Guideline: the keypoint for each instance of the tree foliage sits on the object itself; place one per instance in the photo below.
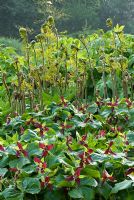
(72, 15)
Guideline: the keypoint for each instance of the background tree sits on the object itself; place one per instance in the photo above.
(14, 13)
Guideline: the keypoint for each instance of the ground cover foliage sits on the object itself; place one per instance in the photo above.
(66, 152)
(67, 116)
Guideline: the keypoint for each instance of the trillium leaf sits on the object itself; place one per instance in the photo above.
(122, 186)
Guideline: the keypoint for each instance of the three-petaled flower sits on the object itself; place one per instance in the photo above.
(21, 150)
(106, 176)
(45, 148)
(75, 177)
(41, 165)
(108, 150)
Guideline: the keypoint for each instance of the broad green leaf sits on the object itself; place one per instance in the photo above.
(76, 193)
(122, 186)
(3, 171)
(12, 194)
(31, 185)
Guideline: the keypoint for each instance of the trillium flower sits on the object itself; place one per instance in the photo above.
(63, 101)
(106, 176)
(41, 165)
(129, 171)
(21, 150)
(46, 182)
(102, 133)
(108, 150)
(8, 120)
(129, 103)
(69, 141)
(75, 177)
(85, 157)
(1, 148)
(45, 148)
(13, 170)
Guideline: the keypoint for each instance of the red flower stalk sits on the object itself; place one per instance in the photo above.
(45, 148)
(106, 176)
(21, 150)
(1, 148)
(75, 177)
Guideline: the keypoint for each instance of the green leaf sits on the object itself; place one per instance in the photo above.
(3, 171)
(122, 186)
(88, 193)
(29, 135)
(55, 195)
(91, 172)
(105, 190)
(88, 182)
(20, 162)
(76, 193)
(31, 185)
(130, 137)
(12, 194)
(93, 108)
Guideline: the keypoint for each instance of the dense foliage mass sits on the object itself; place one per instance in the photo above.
(80, 148)
(66, 152)
(97, 65)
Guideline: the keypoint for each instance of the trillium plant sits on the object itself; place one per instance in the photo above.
(65, 152)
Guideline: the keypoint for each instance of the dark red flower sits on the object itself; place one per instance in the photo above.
(25, 153)
(65, 126)
(129, 171)
(108, 150)
(112, 104)
(1, 148)
(77, 172)
(106, 176)
(63, 101)
(21, 129)
(18, 153)
(41, 165)
(13, 170)
(70, 178)
(44, 153)
(75, 177)
(21, 150)
(129, 103)
(8, 120)
(37, 160)
(102, 133)
(45, 148)
(42, 184)
(19, 146)
(86, 120)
